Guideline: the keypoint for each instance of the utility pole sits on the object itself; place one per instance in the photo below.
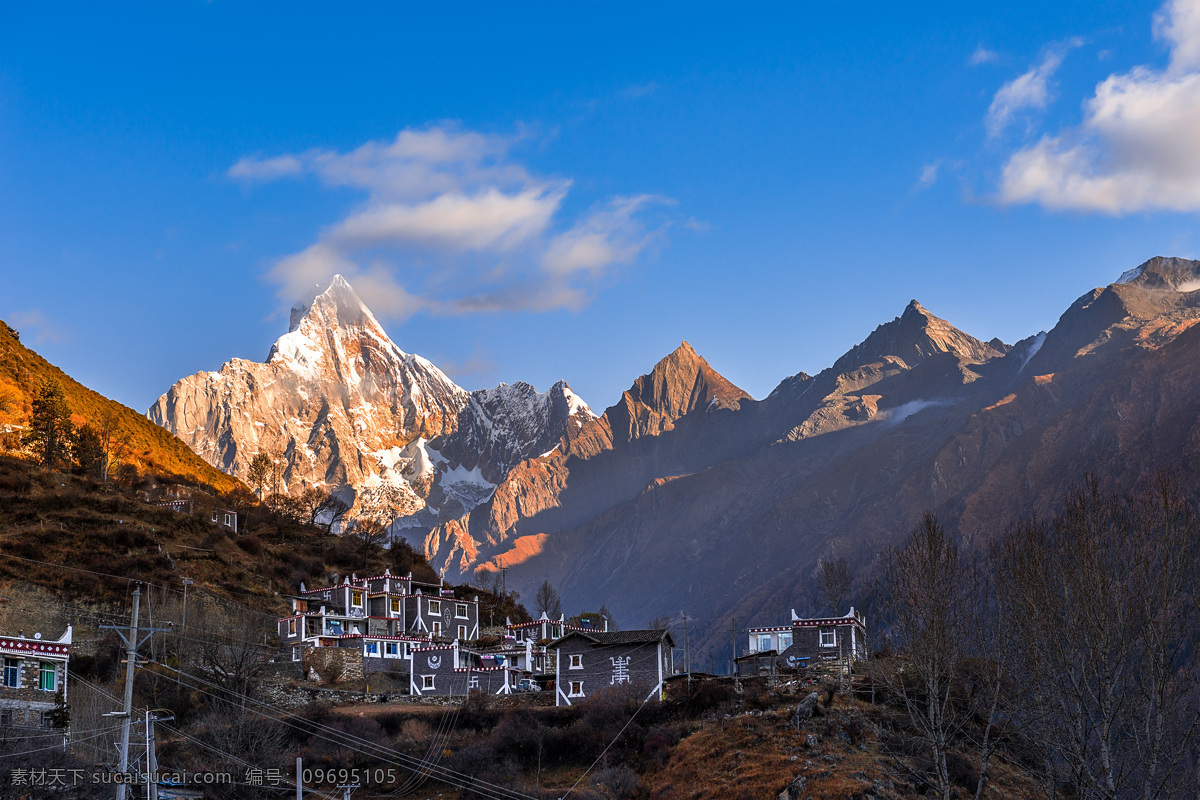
(687, 654)
(152, 753)
(299, 778)
(504, 575)
(733, 646)
(186, 583)
(131, 646)
(131, 655)
(347, 788)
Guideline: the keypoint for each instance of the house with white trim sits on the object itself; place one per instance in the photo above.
(33, 672)
(588, 662)
(805, 642)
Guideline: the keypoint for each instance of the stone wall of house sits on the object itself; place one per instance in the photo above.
(28, 690)
(333, 664)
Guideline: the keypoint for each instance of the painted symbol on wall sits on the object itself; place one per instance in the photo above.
(620, 670)
(473, 683)
(435, 662)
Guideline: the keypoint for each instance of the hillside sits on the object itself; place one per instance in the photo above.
(152, 449)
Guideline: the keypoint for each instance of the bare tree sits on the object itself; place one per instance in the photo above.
(547, 601)
(927, 599)
(369, 533)
(835, 583)
(1103, 600)
(259, 473)
(332, 510)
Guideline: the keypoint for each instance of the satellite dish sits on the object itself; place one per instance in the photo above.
(37, 636)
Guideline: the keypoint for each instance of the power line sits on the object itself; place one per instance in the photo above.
(364, 746)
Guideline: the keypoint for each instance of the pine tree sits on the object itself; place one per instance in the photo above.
(89, 451)
(50, 434)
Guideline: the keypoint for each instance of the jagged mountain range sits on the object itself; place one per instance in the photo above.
(689, 494)
(341, 407)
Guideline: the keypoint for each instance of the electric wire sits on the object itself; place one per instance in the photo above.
(358, 744)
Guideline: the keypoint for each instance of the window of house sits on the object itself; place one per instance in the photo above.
(291, 627)
(460, 610)
(576, 689)
(407, 649)
(47, 676)
(395, 605)
(296, 653)
(426, 681)
(437, 629)
(785, 641)
(390, 649)
(12, 672)
(435, 606)
(764, 642)
(576, 661)
(214, 516)
(356, 599)
(6, 718)
(372, 648)
(47, 720)
(228, 519)
(828, 637)
(462, 632)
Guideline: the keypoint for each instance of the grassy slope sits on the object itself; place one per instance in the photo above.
(154, 448)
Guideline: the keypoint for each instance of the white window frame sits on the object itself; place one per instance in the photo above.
(16, 667)
(435, 628)
(761, 647)
(228, 519)
(435, 607)
(427, 683)
(371, 649)
(292, 627)
(574, 688)
(395, 605)
(462, 633)
(576, 661)
(830, 632)
(460, 611)
(47, 668)
(361, 598)
(783, 646)
(296, 653)
(391, 650)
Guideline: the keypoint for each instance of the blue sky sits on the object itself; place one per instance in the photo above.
(533, 192)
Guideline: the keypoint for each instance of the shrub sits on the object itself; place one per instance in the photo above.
(251, 544)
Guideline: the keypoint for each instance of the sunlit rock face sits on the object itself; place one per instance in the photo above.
(343, 408)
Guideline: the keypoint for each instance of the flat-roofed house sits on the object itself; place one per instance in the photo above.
(587, 662)
(33, 672)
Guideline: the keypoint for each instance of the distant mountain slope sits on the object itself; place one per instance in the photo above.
(153, 448)
(981, 436)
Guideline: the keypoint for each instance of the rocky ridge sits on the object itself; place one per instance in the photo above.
(343, 408)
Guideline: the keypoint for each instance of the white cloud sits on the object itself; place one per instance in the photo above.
(1028, 91)
(43, 329)
(259, 169)
(929, 175)
(1136, 148)
(451, 224)
(983, 56)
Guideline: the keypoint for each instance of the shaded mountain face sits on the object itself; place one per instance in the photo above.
(683, 418)
(919, 416)
(343, 408)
